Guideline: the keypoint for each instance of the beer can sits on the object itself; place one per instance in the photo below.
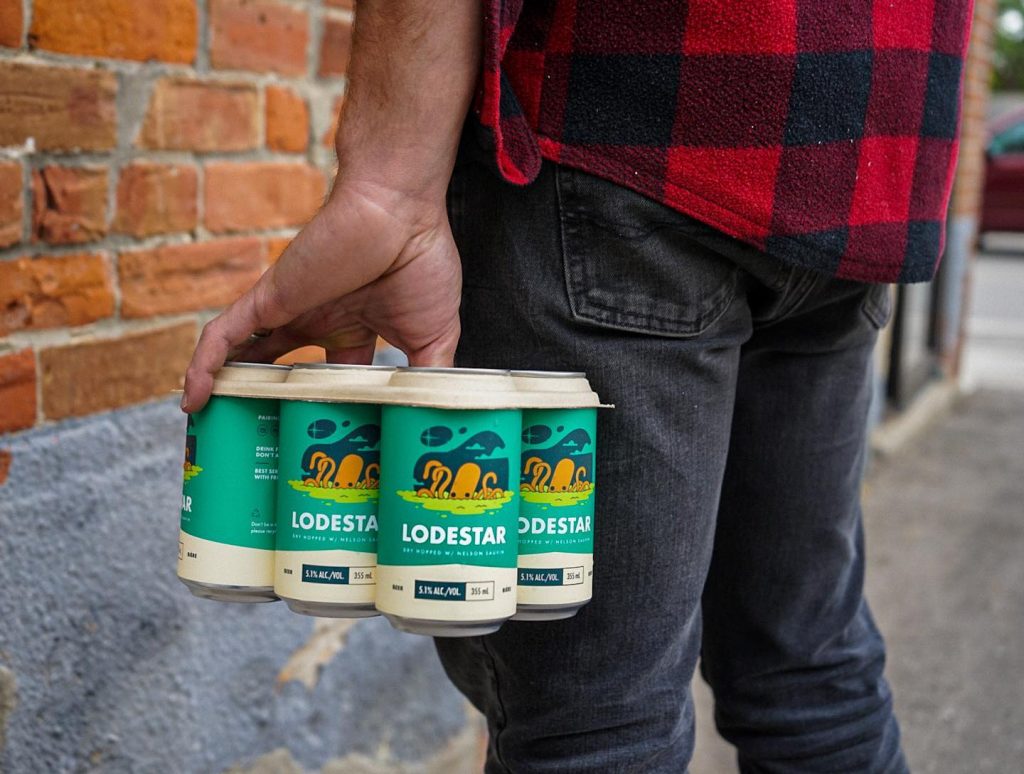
(448, 501)
(328, 484)
(557, 480)
(226, 542)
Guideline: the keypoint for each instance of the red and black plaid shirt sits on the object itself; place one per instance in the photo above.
(823, 132)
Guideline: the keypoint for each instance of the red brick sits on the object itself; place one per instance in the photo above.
(11, 23)
(91, 376)
(259, 35)
(53, 292)
(261, 195)
(335, 46)
(275, 247)
(185, 114)
(69, 204)
(181, 278)
(17, 393)
(11, 206)
(165, 30)
(58, 107)
(156, 199)
(332, 130)
(287, 120)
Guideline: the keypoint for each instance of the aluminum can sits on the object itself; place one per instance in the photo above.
(557, 485)
(226, 542)
(449, 501)
(328, 485)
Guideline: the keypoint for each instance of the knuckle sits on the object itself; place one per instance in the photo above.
(207, 331)
(192, 375)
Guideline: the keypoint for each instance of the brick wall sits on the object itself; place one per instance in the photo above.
(155, 155)
(970, 174)
(965, 205)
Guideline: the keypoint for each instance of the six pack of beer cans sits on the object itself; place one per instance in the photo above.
(447, 499)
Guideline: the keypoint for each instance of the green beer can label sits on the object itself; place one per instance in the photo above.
(327, 502)
(229, 492)
(556, 515)
(448, 513)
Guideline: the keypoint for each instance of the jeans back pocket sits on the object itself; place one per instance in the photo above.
(632, 264)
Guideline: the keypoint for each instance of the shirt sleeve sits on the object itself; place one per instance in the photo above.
(501, 117)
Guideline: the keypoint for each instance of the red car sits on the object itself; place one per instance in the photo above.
(1002, 206)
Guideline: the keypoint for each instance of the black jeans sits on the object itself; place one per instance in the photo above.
(728, 519)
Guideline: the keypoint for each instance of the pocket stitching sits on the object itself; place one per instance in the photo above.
(714, 311)
(878, 314)
(595, 312)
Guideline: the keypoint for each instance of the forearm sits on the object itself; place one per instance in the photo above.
(412, 74)
(379, 256)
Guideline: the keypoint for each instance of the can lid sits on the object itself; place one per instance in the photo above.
(444, 388)
(548, 374)
(342, 367)
(262, 366)
(451, 388)
(555, 389)
(337, 382)
(438, 370)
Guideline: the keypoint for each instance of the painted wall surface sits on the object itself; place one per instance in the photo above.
(108, 664)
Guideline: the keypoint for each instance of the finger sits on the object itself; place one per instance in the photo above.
(257, 308)
(228, 330)
(210, 353)
(440, 353)
(265, 349)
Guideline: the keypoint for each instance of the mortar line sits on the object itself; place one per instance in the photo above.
(119, 243)
(38, 361)
(27, 203)
(314, 30)
(210, 75)
(200, 201)
(202, 59)
(107, 329)
(26, 21)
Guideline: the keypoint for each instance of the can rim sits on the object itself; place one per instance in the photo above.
(240, 364)
(550, 374)
(343, 367)
(437, 370)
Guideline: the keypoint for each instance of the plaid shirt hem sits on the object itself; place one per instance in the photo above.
(838, 154)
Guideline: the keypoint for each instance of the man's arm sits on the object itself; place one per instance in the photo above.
(378, 258)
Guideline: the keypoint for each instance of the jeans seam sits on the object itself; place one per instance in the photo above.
(492, 667)
(563, 228)
(877, 312)
(797, 296)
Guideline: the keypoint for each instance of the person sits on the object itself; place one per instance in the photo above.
(699, 204)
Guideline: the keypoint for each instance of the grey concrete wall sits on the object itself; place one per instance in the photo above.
(108, 664)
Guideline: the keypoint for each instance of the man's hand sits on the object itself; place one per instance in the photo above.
(379, 256)
(363, 266)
